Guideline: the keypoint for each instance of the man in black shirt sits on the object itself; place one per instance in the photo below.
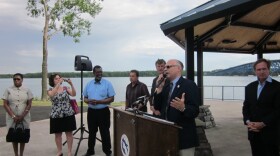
(134, 90)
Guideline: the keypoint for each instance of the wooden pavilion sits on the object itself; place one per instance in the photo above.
(225, 26)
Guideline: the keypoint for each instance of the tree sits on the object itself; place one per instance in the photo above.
(66, 16)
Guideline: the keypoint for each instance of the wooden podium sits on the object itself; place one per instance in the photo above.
(137, 135)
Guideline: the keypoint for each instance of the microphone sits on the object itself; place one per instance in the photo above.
(141, 100)
(141, 97)
(136, 102)
(161, 80)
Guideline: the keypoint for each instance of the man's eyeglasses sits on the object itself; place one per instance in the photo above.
(17, 79)
(169, 66)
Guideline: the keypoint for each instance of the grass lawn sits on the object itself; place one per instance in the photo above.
(48, 103)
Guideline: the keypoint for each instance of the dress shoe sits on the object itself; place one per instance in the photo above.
(88, 154)
(109, 154)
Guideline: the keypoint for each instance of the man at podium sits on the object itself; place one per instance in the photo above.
(178, 103)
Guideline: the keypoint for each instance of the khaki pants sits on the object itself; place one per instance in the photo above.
(187, 152)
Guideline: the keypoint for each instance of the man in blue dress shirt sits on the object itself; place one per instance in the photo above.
(98, 94)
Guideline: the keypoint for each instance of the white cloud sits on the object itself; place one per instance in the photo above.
(37, 53)
(14, 11)
(33, 23)
(30, 53)
(147, 45)
(8, 7)
(127, 9)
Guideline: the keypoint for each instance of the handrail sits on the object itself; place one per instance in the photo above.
(220, 92)
(224, 92)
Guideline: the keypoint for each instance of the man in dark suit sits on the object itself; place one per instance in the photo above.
(160, 65)
(179, 103)
(261, 111)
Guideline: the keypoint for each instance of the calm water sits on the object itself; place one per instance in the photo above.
(120, 83)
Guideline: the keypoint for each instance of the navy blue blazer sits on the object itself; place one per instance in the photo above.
(265, 109)
(187, 135)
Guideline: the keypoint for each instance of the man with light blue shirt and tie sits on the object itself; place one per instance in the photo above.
(98, 94)
(261, 111)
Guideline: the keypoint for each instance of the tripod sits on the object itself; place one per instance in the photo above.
(82, 127)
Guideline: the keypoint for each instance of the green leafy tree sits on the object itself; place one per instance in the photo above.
(66, 16)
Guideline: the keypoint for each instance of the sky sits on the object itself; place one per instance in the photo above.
(125, 35)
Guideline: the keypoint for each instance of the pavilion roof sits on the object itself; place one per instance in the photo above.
(230, 26)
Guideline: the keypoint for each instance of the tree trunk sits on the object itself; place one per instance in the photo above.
(44, 96)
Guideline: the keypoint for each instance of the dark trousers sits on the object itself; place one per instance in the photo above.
(260, 148)
(99, 118)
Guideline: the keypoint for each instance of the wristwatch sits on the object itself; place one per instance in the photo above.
(13, 116)
(182, 110)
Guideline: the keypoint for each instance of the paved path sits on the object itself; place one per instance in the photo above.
(229, 138)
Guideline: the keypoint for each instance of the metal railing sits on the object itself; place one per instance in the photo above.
(224, 92)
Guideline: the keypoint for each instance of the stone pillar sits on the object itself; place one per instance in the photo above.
(204, 120)
(204, 148)
(206, 116)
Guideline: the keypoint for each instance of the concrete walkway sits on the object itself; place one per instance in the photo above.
(228, 138)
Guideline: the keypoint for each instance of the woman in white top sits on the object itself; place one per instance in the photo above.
(17, 101)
